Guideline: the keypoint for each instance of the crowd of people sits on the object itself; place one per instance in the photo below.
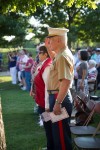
(20, 65)
(87, 69)
(22, 68)
(49, 78)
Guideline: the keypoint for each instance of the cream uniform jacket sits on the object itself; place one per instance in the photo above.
(61, 68)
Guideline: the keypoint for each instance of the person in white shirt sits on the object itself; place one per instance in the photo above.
(92, 74)
(23, 61)
(76, 64)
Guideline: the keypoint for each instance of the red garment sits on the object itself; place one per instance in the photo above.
(33, 69)
(30, 61)
(40, 85)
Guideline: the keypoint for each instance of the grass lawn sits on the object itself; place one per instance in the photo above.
(21, 124)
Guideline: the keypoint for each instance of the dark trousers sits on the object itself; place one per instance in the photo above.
(48, 131)
(98, 76)
(75, 83)
(60, 130)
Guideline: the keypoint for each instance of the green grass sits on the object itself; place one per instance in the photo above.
(21, 124)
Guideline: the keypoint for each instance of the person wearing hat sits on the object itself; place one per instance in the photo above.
(59, 82)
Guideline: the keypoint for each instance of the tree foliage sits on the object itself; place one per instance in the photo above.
(29, 6)
(90, 26)
(13, 24)
(21, 6)
(61, 14)
(70, 14)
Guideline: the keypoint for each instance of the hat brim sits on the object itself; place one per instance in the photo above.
(51, 35)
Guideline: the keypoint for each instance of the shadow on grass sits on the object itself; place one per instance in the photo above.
(7, 85)
(21, 124)
(23, 132)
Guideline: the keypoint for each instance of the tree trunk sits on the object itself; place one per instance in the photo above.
(2, 132)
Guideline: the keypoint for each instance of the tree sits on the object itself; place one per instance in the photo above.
(90, 28)
(55, 13)
(23, 6)
(64, 14)
(12, 24)
(30, 6)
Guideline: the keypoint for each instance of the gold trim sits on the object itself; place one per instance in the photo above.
(52, 34)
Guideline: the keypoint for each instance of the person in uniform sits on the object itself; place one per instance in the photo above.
(59, 82)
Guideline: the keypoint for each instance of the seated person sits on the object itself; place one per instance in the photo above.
(92, 74)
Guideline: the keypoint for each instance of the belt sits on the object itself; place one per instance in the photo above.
(52, 91)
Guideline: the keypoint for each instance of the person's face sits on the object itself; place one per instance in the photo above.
(51, 42)
(90, 65)
(79, 55)
(49, 48)
(13, 54)
(42, 56)
(93, 52)
(98, 52)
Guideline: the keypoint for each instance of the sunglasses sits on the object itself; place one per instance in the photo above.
(41, 52)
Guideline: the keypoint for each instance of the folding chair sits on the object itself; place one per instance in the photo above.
(94, 83)
(77, 106)
(83, 108)
(88, 143)
(85, 129)
(95, 98)
(95, 110)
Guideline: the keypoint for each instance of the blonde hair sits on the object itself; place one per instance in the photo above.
(92, 62)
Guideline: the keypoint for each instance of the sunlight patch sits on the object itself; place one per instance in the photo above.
(5, 79)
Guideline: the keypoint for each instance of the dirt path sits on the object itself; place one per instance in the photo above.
(5, 73)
